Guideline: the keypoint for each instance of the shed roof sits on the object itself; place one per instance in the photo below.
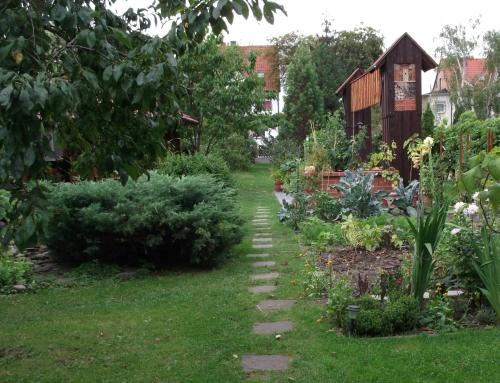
(427, 61)
(354, 75)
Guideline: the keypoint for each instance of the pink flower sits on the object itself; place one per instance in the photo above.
(471, 210)
(455, 231)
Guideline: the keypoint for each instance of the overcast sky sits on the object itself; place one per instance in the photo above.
(423, 20)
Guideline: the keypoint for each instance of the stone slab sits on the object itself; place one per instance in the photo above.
(263, 255)
(262, 239)
(262, 235)
(264, 264)
(268, 328)
(276, 304)
(262, 246)
(264, 277)
(262, 289)
(259, 363)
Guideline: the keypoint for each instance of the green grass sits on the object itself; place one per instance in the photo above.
(188, 326)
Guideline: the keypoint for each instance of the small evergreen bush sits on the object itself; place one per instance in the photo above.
(192, 220)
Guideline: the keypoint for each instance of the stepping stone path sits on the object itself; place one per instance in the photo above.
(256, 363)
(264, 277)
(263, 255)
(269, 328)
(263, 240)
(262, 246)
(276, 304)
(264, 264)
(262, 289)
(268, 239)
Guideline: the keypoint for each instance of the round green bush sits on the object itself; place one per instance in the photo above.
(191, 220)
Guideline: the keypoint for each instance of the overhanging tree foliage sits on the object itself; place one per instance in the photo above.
(74, 72)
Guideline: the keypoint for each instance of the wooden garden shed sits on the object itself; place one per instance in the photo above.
(394, 81)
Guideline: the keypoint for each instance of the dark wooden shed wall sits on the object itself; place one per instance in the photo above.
(399, 126)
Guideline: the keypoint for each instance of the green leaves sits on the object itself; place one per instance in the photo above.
(25, 100)
(5, 95)
(121, 37)
(90, 76)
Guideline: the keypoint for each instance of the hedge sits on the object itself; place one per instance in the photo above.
(190, 220)
(179, 165)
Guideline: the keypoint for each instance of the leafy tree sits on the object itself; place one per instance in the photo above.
(335, 54)
(458, 44)
(223, 91)
(427, 122)
(304, 100)
(74, 73)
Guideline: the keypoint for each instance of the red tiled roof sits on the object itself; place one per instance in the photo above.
(475, 68)
(265, 63)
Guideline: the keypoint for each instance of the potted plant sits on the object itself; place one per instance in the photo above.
(278, 178)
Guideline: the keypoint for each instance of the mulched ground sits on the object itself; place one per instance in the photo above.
(367, 264)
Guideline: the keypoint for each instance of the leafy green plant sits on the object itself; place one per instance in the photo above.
(339, 296)
(427, 233)
(326, 207)
(13, 271)
(405, 196)
(361, 234)
(356, 196)
(295, 212)
(311, 228)
(191, 220)
(488, 268)
(438, 315)
(316, 282)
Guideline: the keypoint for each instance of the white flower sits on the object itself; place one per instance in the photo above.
(455, 231)
(471, 210)
(429, 142)
(475, 196)
(458, 207)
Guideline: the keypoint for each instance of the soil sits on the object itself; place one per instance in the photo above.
(363, 264)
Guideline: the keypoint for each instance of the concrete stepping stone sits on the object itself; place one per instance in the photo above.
(264, 277)
(260, 221)
(258, 363)
(262, 235)
(268, 328)
(262, 289)
(262, 246)
(276, 304)
(264, 264)
(262, 239)
(263, 255)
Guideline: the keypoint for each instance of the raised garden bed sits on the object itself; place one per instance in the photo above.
(327, 179)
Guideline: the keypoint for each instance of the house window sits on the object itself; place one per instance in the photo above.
(440, 107)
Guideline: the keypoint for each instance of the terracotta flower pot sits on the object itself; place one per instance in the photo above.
(278, 186)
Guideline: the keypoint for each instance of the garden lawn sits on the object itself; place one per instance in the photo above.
(194, 326)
